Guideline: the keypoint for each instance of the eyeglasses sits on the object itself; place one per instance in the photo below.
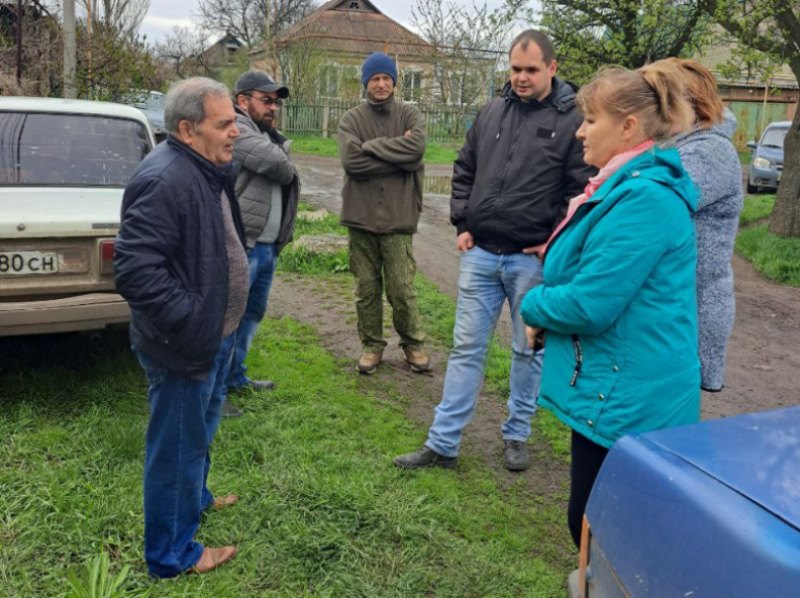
(277, 102)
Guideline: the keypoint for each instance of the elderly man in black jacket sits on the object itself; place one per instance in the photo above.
(180, 262)
(512, 181)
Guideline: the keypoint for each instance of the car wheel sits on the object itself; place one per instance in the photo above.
(752, 188)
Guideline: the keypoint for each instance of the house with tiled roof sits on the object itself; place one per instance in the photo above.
(321, 55)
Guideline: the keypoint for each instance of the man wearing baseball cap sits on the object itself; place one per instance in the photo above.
(267, 189)
(381, 143)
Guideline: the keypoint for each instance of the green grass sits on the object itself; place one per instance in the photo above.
(319, 146)
(315, 146)
(322, 513)
(438, 311)
(437, 153)
(744, 156)
(756, 207)
(777, 258)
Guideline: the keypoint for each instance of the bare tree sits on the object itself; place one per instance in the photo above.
(123, 16)
(252, 21)
(470, 44)
(41, 53)
(185, 48)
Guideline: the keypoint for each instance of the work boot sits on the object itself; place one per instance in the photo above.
(515, 454)
(425, 457)
(262, 384)
(229, 410)
(417, 359)
(369, 362)
(257, 385)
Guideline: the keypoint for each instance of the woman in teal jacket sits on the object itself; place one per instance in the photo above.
(618, 303)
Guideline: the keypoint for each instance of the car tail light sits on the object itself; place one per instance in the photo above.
(107, 256)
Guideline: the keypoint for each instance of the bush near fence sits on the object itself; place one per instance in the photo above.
(445, 124)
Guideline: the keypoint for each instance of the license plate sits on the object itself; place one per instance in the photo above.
(27, 262)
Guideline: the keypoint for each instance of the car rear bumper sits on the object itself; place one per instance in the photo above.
(92, 311)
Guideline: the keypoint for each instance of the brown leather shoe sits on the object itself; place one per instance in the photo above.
(220, 502)
(417, 359)
(213, 558)
(369, 362)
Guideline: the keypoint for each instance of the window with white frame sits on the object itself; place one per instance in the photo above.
(412, 84)
(328, 81)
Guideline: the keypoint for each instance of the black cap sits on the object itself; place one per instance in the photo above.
(259, 81)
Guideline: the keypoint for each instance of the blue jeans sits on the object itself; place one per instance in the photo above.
(184, 416)
(261, 260)
(486, 280)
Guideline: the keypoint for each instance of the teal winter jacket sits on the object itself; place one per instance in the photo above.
(618, 303)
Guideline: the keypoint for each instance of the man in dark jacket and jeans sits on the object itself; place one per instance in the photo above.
(381, 144)
(267, 189)
(181, 264)
(512, 181)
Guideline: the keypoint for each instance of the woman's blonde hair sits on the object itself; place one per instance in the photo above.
(701, 87)
(654, 93)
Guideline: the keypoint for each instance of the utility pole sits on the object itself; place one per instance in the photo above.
(19, 42)
(90, 11)
(70, 90)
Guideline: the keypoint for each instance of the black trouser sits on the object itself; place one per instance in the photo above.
(587, 457)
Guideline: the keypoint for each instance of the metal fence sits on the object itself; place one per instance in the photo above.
(445, 124)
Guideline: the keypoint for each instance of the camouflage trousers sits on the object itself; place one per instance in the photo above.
(385, 259)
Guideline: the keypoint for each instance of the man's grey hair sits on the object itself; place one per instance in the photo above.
(186, 101)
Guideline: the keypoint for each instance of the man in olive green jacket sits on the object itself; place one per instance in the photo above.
(381, 144)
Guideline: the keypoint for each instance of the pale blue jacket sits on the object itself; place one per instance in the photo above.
(618, 303)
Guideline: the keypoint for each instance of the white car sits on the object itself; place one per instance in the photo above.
(64, 165)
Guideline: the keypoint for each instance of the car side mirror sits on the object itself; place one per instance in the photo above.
(752, 144)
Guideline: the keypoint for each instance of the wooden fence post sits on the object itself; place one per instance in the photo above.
(326, 117)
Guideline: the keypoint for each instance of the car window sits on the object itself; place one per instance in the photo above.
(69, 149)
(774, 137)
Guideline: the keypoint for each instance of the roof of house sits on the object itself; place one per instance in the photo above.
(354, 27)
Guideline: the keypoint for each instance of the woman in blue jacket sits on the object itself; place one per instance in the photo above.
(618, 303)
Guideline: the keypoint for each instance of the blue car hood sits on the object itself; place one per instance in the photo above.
(756, 455)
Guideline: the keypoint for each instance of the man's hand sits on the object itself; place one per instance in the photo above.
(537, 249)
(535, 338)
(465, 242)
(407, 134)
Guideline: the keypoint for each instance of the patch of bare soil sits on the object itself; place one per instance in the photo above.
(328, 306)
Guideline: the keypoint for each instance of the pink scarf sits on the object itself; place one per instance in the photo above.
(612, 166)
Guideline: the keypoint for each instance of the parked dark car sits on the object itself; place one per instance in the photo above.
(152, 104)
(711, 509)
(766, 160)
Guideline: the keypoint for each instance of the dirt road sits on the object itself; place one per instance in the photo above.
(764, 353)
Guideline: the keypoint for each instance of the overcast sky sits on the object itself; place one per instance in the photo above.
(166, 14)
